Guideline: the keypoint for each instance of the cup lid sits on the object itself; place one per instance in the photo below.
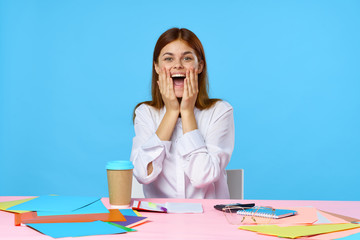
(119, 165)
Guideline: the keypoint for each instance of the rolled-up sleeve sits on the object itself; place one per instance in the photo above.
(206, 157)
(190, 142)
(147, 147)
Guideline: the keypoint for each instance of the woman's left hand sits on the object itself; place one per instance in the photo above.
(191, 90)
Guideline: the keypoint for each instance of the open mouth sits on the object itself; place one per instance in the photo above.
(178, 79)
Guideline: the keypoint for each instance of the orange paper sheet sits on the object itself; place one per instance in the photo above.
(306, 215)
(114, 215)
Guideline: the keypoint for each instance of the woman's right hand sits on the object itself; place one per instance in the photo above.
(166, 87)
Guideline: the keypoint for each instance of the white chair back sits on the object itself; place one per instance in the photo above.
(235, 180)
(137, 189)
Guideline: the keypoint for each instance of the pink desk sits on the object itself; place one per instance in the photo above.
(210, 225)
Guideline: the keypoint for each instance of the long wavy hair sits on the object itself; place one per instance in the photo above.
(203, 101)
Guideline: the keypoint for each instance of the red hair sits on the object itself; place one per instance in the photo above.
(203, 101)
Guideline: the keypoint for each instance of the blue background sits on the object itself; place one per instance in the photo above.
(71, 73)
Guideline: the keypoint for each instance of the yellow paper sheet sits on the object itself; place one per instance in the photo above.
(299, 231)
(137, 213)
(8, 204)
(335, 235)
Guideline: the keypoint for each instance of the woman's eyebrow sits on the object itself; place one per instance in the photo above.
(168, 53)
(184, 53)
(188, 52)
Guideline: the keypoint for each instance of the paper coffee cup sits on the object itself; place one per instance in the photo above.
(119, 175)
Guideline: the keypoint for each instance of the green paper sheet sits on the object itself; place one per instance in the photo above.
(122, 227)
(299, 231)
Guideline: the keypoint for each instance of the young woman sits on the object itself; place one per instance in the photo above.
(183, 139)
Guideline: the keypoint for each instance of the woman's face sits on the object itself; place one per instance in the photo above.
(177, 57)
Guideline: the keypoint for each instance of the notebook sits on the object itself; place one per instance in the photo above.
(267, 212)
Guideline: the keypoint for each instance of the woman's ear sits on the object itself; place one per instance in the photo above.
(157, 69)
(201, 66)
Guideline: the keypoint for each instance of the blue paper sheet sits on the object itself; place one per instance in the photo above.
(355, 236)
(128, 212)
(321, 219)
(55, 203)
(95, 207)
(59, 230)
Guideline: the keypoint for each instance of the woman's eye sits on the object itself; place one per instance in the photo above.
(187, 58)
(168, 59)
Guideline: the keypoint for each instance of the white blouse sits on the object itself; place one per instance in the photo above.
(190, 165)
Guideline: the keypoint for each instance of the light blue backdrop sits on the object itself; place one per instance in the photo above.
(71, 73)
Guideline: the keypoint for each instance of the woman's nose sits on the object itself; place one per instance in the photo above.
(178, 64)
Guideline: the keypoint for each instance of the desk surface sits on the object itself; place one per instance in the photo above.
(210, 225)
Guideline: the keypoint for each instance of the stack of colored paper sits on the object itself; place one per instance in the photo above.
(326, 226)
(67, 216)
(299, 231)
